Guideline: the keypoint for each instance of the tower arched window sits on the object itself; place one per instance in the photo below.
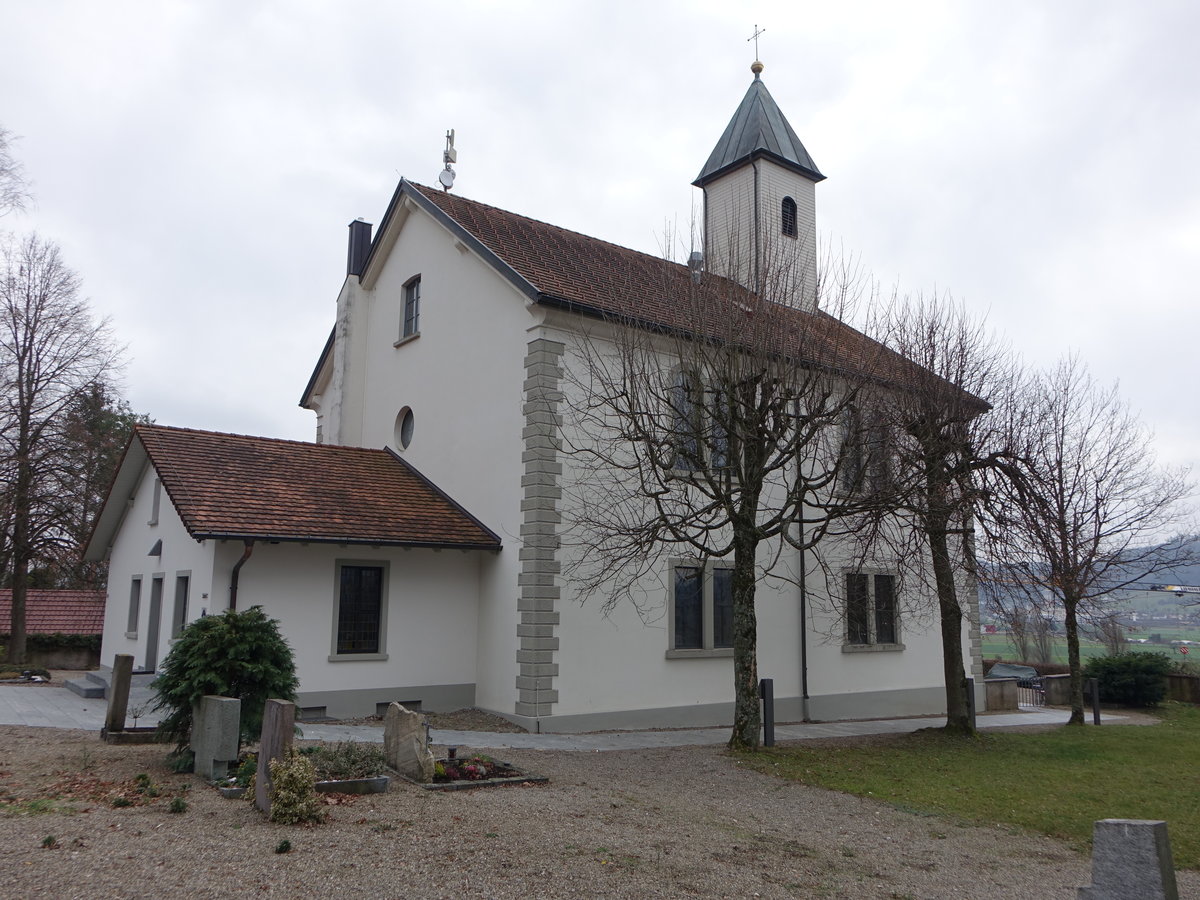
(789, 217)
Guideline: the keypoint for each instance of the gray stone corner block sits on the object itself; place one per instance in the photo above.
(278, 729)
(1131, 860)
(406, 743)
(216, 729)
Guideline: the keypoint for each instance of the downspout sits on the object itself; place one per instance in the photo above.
(237, 568)
(803, 624)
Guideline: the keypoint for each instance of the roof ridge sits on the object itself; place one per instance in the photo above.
(253, 437)
(425, 189)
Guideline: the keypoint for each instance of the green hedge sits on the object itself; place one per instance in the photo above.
(58, 641)
(1131, 679)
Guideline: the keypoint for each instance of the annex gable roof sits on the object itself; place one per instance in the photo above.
(231, 486)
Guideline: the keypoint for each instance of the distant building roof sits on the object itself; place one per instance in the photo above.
(230, 486)
(56, 612)
(758, 129)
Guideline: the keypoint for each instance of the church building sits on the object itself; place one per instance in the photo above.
(414, 551)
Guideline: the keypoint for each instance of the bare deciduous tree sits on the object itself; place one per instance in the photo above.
(14, 189)
(941, 440)
(52, 351)
(710, 430)
(1085, 509)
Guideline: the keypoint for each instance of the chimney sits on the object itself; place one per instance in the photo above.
(360, 247)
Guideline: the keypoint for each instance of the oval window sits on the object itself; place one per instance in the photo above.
(404, 428)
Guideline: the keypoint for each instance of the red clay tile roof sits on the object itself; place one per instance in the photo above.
(235, 486)
(57, 612)
(593, 276)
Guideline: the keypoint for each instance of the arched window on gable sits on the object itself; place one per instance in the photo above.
(789, 217)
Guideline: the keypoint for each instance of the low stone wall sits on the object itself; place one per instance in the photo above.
(1001, 694)
(60, 658)
(1058, 689)
(1184, 688)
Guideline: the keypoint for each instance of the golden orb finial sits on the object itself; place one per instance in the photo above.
(756, 67)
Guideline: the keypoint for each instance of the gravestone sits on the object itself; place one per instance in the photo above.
(118, 692)
(1131, 860)
(406, 744)
(216, 723)
(279, 726)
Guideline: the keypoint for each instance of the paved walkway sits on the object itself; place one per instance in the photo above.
(56, 707)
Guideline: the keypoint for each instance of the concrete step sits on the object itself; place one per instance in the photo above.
(86, 687)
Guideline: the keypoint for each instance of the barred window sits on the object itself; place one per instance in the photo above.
(360, 609)
(701, 610)
(871, 609)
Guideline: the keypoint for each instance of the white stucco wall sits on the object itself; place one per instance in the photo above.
(431, 615)
(462, 379)
(180, 555)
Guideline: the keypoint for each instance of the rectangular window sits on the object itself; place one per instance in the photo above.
(135, 606)
(155, 501)
(865, 465)
(871, 618)
(179, 613)
(858, 605)
(360, 610)
(412, 308)
(701, 613)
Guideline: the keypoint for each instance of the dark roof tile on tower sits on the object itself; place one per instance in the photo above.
(758, 128)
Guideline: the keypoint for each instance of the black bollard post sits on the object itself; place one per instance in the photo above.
(1094, 688)
(971, 701)
(766, 690)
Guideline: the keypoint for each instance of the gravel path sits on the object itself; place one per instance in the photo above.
(681, 822)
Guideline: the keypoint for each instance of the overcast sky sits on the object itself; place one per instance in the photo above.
(198, 162)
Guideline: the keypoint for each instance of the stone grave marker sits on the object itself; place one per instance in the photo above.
(118, 692)
(405, 744)
(216, 723)
(1131, 860)
(279, 726)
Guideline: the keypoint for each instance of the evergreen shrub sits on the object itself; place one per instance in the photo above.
(1131, 679)
(239, 653)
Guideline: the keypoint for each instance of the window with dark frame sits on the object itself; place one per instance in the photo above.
(722, 588)
(360, 609)
(412, 307)
(686, 407)
(870, 609)
(689, 608)
(866, 455)
(789, 217)
(702, 616)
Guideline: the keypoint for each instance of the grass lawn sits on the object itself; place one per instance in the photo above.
(1055, 782)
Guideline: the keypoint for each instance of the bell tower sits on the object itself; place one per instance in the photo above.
(760, 203)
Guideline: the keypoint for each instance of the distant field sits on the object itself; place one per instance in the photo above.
(998, 646)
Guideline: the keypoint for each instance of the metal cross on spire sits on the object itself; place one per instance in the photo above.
(754, 37)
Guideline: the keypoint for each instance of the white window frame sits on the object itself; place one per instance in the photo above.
(706, 650)
(873, 645)
(385, 581)
(135, 607)
(180, 604)
(410, 299)
(155, 501)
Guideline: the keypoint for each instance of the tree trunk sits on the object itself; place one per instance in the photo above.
(20, 560)
(1072, 628)
(747, 719)
(958, 713)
